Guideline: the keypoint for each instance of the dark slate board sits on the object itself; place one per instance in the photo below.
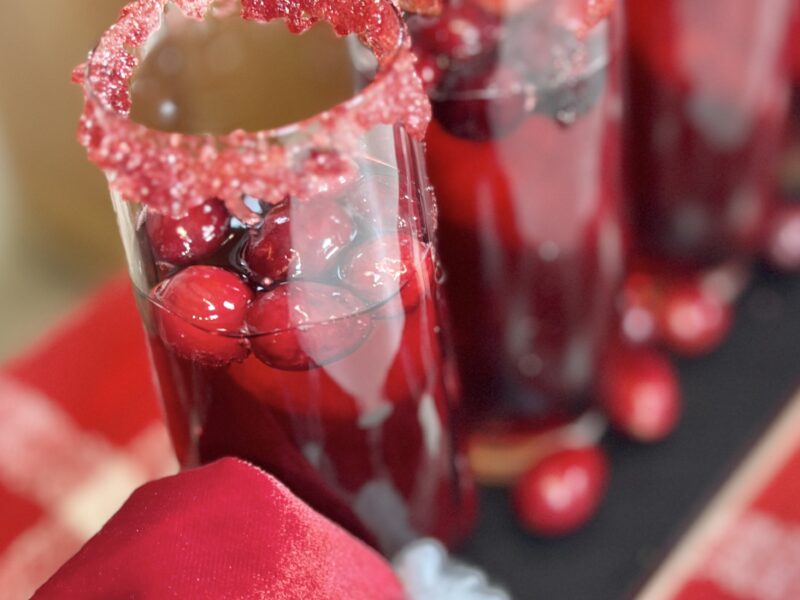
(730, 398)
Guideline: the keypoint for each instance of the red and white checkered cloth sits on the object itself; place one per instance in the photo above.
(80, 428)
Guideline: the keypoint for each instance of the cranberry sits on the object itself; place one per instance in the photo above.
(462, 31)
(783, 238)
(302, 325)
(563, 491)
(693, 320)
(200, 313)
(380, 268)
(480, 104)
(328, 172)
(382, 203)
(565, 89)
(429, 69)
(195, 236)
(641, 296)
(298, 238)
(639, 391)
(505, 7)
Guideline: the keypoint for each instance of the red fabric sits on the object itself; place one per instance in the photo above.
(96, 367)
(226, 530)
(80, 428)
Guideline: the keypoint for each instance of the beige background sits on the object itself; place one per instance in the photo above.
(56, 225)
(58, 236)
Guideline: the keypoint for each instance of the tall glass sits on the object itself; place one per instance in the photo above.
(782, 243)
(287, 278)
(524, 155)
(709, 92)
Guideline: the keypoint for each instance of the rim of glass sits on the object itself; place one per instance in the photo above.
(172, 172)
(386, 67)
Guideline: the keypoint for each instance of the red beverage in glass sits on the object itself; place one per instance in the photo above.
(292, 315)
(523, 153)
(709, 92)
(782, 239)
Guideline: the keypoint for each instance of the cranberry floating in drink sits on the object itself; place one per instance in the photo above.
(709, 92)
(286, 277)
(524, 155)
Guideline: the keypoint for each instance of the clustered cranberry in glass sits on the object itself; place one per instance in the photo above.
(463, 31)
(480, 104)
(195, 236)
(472, 96)
(201, 314)
(298, 239)
(479, 93)
(301, 288)
(306, 324)
(380, 268)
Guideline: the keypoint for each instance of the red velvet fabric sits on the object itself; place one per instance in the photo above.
(224, 531)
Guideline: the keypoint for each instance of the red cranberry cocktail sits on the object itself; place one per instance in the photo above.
(287, 278)
(782, 243)
(708, 97)
(709, 91)
(523, 152)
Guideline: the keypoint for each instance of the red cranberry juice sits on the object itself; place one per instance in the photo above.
(789, 184)
(524, 156)
(310, 346)
(708, 100)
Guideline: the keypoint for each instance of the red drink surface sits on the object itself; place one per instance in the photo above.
(530, 229)
(709, 94)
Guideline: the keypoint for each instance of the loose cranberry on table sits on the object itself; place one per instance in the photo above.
(783, 238)
(480, 103)
(380, 268)
(563, 491)
(693, 320)
(189, 238)
(638, 390)
(641, 298)
(201, 314)
(298, 238)
(302, 325)
(462, 31)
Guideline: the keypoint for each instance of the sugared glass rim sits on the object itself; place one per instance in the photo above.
(172, 172)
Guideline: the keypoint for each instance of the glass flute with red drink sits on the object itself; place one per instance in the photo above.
(524, 152)
(782, 241)
(709, 92)
(287, 278)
